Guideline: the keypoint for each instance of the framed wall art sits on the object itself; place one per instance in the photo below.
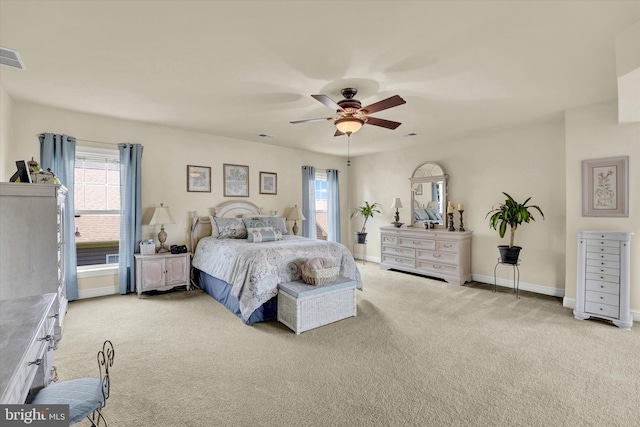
(605, 187)
(199, 179)
(236, 180)
(268, 183)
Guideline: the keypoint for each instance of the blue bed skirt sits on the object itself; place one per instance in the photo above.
(221, 292)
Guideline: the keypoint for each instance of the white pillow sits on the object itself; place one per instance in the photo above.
(214, 227)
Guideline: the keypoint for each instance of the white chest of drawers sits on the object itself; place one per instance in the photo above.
(603, 277)
(435, 253)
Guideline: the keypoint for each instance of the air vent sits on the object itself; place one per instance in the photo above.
(10, 58)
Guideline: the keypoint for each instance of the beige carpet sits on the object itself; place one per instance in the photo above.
(419, 353)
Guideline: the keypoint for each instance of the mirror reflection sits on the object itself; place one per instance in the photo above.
(428, 194)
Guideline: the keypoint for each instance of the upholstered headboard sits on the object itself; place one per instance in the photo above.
(201, 226)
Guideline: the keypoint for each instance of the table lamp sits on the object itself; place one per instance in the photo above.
(162, 216)
(295, 214)
(396, 204)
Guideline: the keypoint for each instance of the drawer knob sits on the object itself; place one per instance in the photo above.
(600, 308)
(601, 298)
(602, 286)
(601, 277)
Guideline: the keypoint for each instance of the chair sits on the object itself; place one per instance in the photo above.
(85, 396)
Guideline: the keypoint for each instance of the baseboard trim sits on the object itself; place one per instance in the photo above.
(97, 292)
(524, 286)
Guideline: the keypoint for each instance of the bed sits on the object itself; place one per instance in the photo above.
(244, 275)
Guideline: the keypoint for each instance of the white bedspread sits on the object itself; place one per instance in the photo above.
(255, 269)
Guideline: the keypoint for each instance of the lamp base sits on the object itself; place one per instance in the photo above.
(162, 237)
(295, 228)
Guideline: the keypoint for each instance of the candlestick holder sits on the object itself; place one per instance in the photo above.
(461, 222)
(451, 227)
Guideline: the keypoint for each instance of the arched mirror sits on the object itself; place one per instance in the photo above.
(429, 194)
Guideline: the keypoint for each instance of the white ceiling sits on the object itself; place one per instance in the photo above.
(243, 68)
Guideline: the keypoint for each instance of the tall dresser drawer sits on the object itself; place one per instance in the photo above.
(603, 250)
(603, 298)
(603, 270)
(608, 287)
(603, 277)
(602, 309)
(603, 256)
(603, 263)
(593, 243)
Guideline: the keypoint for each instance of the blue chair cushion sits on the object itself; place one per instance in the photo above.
(83, 395)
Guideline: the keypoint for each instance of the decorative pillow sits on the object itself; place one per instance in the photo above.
(432, 214)
(275, 222)
(263, 234)
(230, 228)
(214, 227)
(420, 215)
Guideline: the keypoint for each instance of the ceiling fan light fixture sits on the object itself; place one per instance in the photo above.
(349, 125)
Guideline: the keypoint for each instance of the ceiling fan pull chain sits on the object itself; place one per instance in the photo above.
(348, 149)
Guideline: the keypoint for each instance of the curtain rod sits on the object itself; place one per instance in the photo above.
(87, 140)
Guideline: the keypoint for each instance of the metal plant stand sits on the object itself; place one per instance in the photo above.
(516, 276)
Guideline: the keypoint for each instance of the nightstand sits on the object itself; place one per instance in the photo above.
(162, 271)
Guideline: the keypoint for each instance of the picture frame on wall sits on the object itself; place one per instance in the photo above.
(236, 180)
(605, 187)
(198, 179)
(268, 183)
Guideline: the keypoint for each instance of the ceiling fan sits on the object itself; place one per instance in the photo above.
(351, 115)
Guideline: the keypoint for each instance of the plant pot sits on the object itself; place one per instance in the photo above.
(361, 238)
(509, 255)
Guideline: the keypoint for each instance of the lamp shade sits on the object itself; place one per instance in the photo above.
(161, 215)
(295, 214)
(349, 125)
(396, 203)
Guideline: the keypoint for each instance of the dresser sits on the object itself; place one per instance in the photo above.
(435, 253)
(26, 344)
(32, 243)
(603, 285)
(162, 271)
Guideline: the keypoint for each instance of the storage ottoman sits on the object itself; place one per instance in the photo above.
(302, 307)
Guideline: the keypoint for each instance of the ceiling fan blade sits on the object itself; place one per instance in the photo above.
(393, 101)
(338, 133)
(382, 123)
(324, 119)
(328, 102)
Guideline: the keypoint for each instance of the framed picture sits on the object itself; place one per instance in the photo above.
(199, 179)
(605, 187)
(236, 180)
(268, 183)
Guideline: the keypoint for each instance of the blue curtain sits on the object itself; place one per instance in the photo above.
(309, 201)
(130, 213)
(58, 152)
(333, 205)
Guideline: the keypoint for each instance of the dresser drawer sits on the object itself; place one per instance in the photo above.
(416, 243)
(603, 270)
(443, 245)
(602, 309)
(608, 287)
(397, 250)
(431, 256)
(390, 240)
(603, 256)
(603, 277)
(603, 298)
(603, 250)
(602, 263)
(398, 261)
(591, 243)
(427, 266)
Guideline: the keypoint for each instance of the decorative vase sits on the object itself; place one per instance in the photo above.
(509, 255)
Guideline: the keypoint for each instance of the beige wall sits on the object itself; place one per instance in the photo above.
(6, 107)
(593, 132)
(525, 161)
(167, 152)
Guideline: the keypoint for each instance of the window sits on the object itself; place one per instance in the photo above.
(97, 205)
(322, 226)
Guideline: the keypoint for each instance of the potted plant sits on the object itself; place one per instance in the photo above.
(510, 214)
(366, 211)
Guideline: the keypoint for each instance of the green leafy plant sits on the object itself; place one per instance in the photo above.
(366, 211)
(511, 214)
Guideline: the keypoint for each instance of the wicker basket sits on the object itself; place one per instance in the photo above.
(319, 276)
